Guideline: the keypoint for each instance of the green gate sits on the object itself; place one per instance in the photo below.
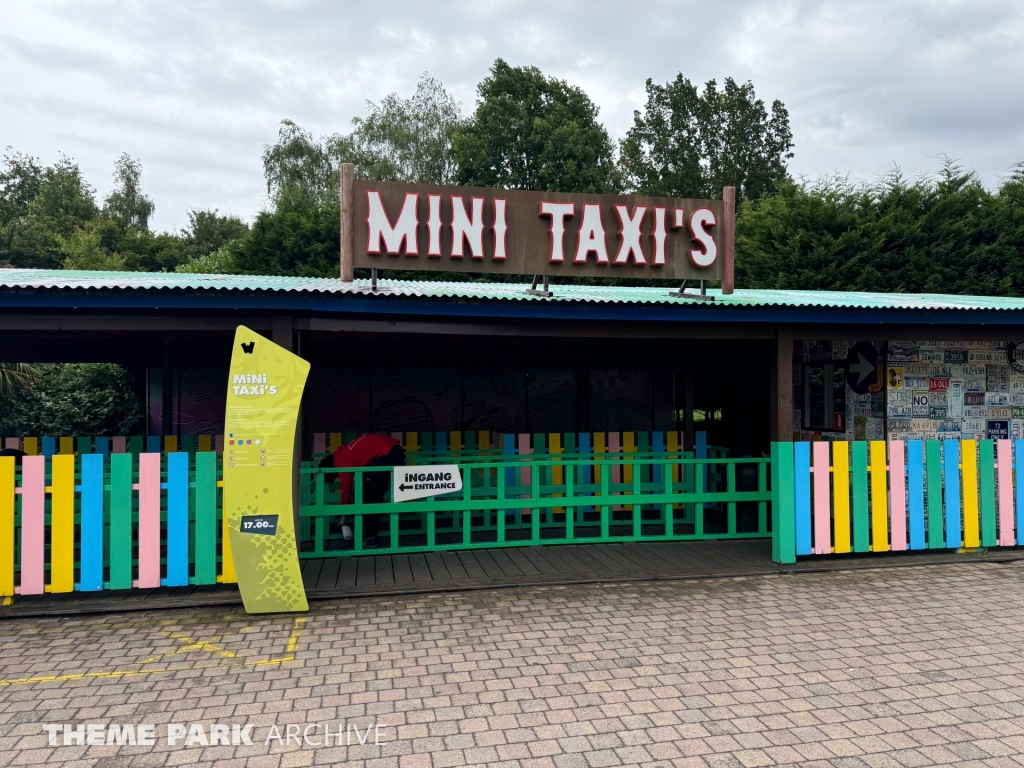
(543, 499)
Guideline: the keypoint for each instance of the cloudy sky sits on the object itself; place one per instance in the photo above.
(196, 89)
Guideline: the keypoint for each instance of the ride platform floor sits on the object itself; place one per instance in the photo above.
(396, 574)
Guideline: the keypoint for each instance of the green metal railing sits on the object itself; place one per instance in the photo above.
(548, 499)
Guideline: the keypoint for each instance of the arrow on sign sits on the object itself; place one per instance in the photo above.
(863, 369)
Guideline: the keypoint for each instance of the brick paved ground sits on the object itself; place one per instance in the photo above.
(909, 667)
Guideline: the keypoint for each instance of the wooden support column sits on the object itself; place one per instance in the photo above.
(167, 392)
(689, 435)
(347, 176)
(282, 334)
(729, 240)
(782, 386)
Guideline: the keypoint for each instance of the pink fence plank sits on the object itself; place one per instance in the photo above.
(149, 520)
(33, 509)
(822, 500)
(897, 496)
(615, 446)
(218, 443)
(319, 442)
(120, 445)
(1004, 474)
(12, 442)
(525, 449)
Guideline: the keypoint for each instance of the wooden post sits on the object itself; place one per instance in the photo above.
(728, 239)
(346, 175)
(782, 386)
(281, 331)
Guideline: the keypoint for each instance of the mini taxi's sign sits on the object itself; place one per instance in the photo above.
(411, 483)
(474, 229)
(264, 392)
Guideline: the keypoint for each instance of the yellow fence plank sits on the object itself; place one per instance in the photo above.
(6, 526)
(879, 498)
(969, 461)
(841, 495)
(62, 523)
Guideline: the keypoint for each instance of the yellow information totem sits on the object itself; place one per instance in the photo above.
(265, 386)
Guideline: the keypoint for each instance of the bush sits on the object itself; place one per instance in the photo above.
(73, 399)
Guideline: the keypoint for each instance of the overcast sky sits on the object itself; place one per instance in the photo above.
(195, 90)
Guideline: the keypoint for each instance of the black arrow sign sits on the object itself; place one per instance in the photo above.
(404, 487)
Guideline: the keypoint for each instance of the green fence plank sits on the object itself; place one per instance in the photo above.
(135, 445)
(783, 507)
(987, 487)
(120, 521)
(933, 468)
(206, 519)
(859, 481)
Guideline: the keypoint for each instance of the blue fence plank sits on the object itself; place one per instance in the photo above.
(658, 448)
(508, 448)
(101, 445)
(49, 446)
(177, 520)
(441, 441)
(1018, 463)
(700, 451)
(802, 494)
(915, 497)
(154, 444)
(951, 465)
(91, 524)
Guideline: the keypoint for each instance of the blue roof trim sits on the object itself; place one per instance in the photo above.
(294, 301)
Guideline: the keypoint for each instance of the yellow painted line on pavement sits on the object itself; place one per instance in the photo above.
(192, 644)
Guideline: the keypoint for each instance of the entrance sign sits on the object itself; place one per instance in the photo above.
(264, 392)
(420, 482)
(516, 232)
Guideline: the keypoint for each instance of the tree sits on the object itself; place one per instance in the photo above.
(210, 241)
(126, 204)
(15, 376)
(19, 184)
(74, 399)
(405, 139)
(300, 164)
(942, 234)
(299, 237)
(208, 231)
(691, 144)
(399, 140)
(61, 203)
(534, 132)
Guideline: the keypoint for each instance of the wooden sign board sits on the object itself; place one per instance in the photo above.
(387, 225)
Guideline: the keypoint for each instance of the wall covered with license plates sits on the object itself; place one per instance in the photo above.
(908, 390)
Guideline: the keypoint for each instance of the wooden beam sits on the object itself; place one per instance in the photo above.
(541, 329)
(346, 175)
(782, 386)
(729, 240)
(129, 323)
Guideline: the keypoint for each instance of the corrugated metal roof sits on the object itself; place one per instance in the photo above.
(42, 279)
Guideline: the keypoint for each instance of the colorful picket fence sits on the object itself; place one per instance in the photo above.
(878, 496)
(136, 444)
(91, 522)
(455, 446)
